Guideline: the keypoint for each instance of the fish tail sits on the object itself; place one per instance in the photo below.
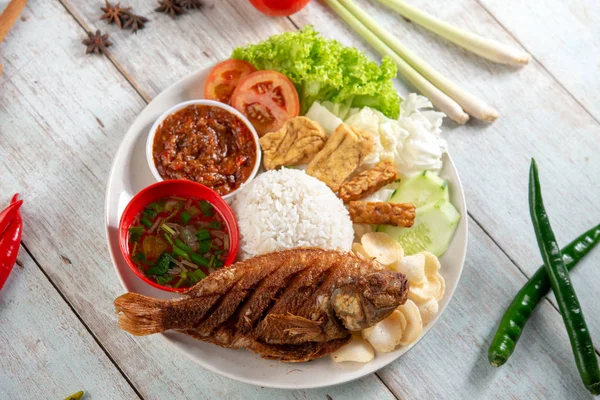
(141, 315)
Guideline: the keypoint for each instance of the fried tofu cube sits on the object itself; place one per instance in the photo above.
(343, 153)
(297, 142)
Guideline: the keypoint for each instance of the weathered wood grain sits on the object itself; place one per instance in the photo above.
(61, 119)
(73, 110)
(451, 362)
(45, 351)
(168, 49)
(564, 36)
(539, 118)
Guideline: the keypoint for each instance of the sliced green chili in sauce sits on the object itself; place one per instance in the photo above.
(177, 242)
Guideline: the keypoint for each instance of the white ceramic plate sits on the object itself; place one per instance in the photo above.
(130, 174)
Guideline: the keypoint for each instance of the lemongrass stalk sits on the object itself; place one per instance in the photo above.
(483, 47)
(472, 105)
(436, 96)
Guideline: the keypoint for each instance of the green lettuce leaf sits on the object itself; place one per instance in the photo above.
(325, 70)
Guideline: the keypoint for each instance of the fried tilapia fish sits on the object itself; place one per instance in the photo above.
(293, 305)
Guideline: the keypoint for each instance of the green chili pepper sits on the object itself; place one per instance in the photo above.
(207, 208)
(198, 259)
(135, 233)
(168, 237)
(178, 252)
(517, 314)
(196, 276)
(146, 222)
(203, 234)
(193, 257)
(167, 229)
(185, 217)
(204, 247)
(570, 309)
(183, 276)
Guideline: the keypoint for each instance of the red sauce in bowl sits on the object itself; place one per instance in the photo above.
(178, 241)
(162, 211)
(205, 144)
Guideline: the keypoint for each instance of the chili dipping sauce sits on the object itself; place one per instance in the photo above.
(176, 241)
(205, 144)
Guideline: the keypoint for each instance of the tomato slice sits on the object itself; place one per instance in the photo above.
(279, 8)
(224, 77)
(268, 99)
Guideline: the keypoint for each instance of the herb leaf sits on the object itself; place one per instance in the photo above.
(207, 208)
(164, 279)
(214, 225)
(162, 266)
(204, 247)
(203, 234)
(135, 233)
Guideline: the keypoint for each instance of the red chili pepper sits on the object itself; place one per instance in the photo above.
(10, 239)
(9, 214)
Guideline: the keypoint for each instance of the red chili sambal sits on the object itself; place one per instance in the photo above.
(205, 144)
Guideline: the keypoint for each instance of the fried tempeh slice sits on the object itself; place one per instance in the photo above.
(368, 182)
(380, 213)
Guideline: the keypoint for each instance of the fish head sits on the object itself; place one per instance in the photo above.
(369, 299)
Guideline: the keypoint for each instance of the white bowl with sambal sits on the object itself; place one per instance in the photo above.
(204, 141)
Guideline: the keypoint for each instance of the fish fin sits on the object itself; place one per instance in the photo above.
(294, 324)
(141, 315)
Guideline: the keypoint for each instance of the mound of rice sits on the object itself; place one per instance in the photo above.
(287, 208)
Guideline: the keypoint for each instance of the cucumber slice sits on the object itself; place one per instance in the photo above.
(423, 189)
(432, 231)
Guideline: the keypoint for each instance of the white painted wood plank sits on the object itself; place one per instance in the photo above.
(168, 49)
(49, 247)
(45, 351)
(539, 118)
(62, 116)
(451, 362)
(562, 35)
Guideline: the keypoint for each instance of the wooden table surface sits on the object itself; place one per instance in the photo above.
(62, 117)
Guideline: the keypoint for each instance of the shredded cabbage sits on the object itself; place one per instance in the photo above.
(325, 70)
(412, 142)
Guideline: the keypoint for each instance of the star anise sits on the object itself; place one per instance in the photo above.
(115, 13)
(191, 4)
(96, 43)
(135, 22)
(170, 7)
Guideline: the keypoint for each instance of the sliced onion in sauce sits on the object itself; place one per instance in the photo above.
(175, 271)
(155, 225)
(218, 234)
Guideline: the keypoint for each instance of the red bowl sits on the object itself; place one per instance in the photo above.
(180, 188)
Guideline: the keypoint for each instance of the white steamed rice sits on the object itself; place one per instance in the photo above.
(285, 209)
